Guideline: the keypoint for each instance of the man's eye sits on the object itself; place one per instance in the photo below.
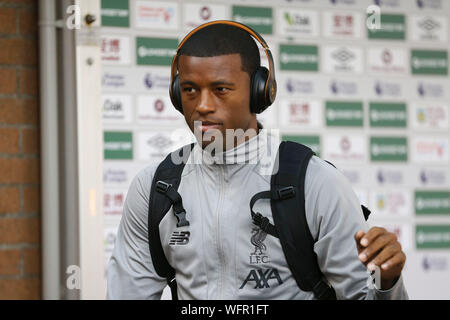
(189, 90)
(222, 89)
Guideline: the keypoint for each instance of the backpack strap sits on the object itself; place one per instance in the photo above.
(163, 195)
(287, 197)
(295, 236)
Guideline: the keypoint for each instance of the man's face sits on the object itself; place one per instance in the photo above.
(216, 91)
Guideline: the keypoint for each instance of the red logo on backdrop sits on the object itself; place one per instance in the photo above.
(343, 24)
(305, 108)
(106, 200)
(435, 115)
(345, 144)
(110, 200)
(340, 21)
(159, 105)
(112, 45)
(430, 147)
(299, 109)
(440, 150)
(205, 13)
(387, 57)
(118, 200)
(337, 21)
(349, 20)
(167, 16)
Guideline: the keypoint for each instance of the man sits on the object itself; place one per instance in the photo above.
(225, 256)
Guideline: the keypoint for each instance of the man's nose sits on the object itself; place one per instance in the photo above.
(206, 104)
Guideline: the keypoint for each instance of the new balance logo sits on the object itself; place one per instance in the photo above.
(261, 278)
(179, 238)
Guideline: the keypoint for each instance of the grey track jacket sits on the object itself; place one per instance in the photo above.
(225, 256)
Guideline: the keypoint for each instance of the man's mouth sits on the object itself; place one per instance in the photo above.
(203, 126)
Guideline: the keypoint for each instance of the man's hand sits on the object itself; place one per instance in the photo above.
(380, 248)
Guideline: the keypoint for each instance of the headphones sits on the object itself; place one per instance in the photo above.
(263, 86)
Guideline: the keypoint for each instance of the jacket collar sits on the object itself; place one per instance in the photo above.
(259, 150)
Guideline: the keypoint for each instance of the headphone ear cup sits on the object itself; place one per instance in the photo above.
(176, 94)
(271, 92)
(258, 101)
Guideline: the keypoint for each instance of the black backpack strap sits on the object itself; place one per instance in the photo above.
(163, 195)
(263, 222)
(258, 219)
(366, 212)
(290, 220)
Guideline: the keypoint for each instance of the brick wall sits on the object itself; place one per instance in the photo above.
(19, 151)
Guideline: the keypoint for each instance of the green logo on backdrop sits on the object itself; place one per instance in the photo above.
(258, 18)
(433, 236)
(344, 114)
(393, 27)
(310, 141)
(115, 13)
(432, 202)
(289, 19)
(155, 51)
(299, 57)
(389, 149)
(392, 115)
(430, 62)
(118, 145)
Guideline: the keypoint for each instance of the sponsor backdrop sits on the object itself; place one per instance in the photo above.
(374, 102)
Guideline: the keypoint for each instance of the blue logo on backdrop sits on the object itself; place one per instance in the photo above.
(334, 87)
(148, 81)
(430, 4)
(294, 86)
(431, 90)
(421, 90)
(387, 89)
(387, 3)
(338, 87)
(434, 177)
(389, 177)
(434, 264)
(378, 89)
(156, 82)
(348, 2)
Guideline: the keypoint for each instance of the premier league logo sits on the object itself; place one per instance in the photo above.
(378, 89)
(148, 81)
(334, 87)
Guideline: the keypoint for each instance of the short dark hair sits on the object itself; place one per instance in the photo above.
(222, 39)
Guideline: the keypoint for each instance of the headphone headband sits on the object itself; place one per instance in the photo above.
(256, 35)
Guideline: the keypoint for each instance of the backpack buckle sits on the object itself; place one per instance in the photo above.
(286, 193)
(257, 218)
(181, 217)
(162, 186)
(261, 221)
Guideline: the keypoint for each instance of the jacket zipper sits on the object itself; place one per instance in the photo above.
(219, 248)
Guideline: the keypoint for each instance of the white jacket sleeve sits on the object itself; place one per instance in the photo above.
(334, 215)
(130, 273)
